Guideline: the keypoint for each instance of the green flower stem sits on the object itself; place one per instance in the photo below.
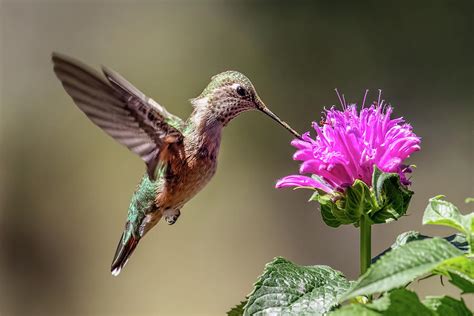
(365, 244)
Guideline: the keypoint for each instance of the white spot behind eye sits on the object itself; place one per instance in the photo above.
(235, 85)
(239, 89)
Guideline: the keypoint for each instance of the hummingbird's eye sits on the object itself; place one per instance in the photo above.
(240, 91)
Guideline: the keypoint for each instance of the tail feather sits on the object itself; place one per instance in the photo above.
(127, 244)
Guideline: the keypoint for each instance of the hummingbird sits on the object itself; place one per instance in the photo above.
(180, 155)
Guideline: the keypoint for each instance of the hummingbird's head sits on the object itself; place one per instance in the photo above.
(229, 94)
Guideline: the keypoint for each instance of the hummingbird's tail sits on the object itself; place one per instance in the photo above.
(127, 244)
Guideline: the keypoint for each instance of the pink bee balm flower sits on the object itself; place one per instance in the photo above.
(347, 146)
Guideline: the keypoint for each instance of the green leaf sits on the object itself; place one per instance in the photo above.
(354, 310)
(445, 305)
(407, 237)
(391, 196)
(397, 302)
(357, 201)
(402, 265)
(286, 288)
(237, 310)
(333, 212)
(328, 217)
(326, 206)
(464, 265)
(457, 240)
(460, 270)
(406, 303)
(465, 285)
(441, 212)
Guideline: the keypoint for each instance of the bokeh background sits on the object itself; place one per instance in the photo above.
(65, 185)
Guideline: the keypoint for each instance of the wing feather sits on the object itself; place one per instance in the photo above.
(121, 110)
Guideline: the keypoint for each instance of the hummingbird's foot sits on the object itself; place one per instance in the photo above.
(171, 216)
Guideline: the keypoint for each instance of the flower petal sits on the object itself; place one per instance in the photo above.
(302, 181)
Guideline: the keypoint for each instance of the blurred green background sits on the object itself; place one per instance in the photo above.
(65, 185)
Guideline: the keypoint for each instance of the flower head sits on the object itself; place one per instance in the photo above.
(347, 146)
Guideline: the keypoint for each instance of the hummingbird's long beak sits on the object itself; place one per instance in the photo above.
(262, 107)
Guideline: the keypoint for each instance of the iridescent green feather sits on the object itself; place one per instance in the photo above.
(143, 199)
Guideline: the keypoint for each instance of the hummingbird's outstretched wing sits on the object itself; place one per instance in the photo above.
(121, 110)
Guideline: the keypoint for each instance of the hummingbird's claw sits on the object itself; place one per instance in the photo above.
(171, 216)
